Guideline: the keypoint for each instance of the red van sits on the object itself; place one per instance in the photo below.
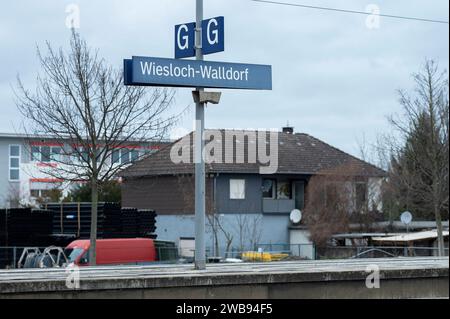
(133, 251)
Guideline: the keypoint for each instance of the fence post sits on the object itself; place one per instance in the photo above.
(14, 257)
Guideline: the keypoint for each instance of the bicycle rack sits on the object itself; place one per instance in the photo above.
(36, 258)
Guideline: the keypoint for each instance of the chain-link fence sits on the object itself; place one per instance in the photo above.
(289, 251)
(10, 256)
(344, 252)
(311, 252)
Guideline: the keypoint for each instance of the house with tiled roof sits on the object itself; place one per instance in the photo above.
(258, 177)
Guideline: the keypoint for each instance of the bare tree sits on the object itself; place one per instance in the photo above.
(418, 178)
(326, 210)
(254, 230)
(249, 230)
(217, 225)
(243, 227)
(240, 227)
(226, 233)
(337, 198)
(14, 198)
(82, 102)
(213, 227)
(364, 149)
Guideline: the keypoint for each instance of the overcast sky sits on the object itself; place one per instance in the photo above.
(333, 77)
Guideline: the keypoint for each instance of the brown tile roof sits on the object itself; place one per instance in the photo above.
(298, 154)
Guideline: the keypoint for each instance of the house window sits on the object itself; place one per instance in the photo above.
(55, 155)
(83, 155)
(284, 190)
(115, 156)
(35, 193)
(298, 192)
(237, 188)
(361, 195)
(268, 188)
(14, 162)
(124, 156)
(44, 194)
(134, 155)
(35, 154)
(46, 154)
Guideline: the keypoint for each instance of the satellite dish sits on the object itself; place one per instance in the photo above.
(406, 218)
(296, 216)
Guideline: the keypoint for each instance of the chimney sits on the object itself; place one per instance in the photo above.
(288, 129)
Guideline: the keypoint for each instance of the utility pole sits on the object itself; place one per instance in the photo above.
(200, 258)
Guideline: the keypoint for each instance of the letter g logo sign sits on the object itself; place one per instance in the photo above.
(213, 31)
(182, 37)
(184, 40)
(213, 35)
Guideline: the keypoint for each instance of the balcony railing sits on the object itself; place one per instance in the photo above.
(278, 205)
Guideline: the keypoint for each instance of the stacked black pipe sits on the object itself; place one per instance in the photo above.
(74, 219)
(59, 224)
(130, 222)
(138, 223)
(3, 230)
(20, 228)
(110, 221)
(147, 223)
(3, 239)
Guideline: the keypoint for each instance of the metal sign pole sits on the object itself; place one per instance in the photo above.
(200, 259)
(146, 71)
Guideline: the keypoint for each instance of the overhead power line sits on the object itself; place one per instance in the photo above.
(349, 11)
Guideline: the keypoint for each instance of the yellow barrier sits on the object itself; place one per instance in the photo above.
(262, 257)
(278, 257)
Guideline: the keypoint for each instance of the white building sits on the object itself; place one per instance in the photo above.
(25, 159)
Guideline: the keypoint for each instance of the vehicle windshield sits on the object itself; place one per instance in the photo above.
(73, 254)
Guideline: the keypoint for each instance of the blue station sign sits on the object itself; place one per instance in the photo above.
(213, 37)
(185, 40)
(149, 71)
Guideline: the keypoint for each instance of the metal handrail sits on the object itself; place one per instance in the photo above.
(371, 250)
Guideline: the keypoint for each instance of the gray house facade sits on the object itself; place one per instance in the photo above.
(244, 207)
